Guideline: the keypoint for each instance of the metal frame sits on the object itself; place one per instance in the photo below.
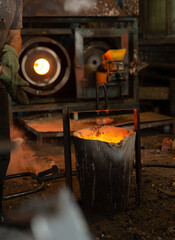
(78, 27)
(125, 33)
(93, 108)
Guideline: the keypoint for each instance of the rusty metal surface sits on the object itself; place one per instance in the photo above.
(69, 8)
(154, 93)
(131, 7)
(86, 82)
(104, 168)
(52, 126)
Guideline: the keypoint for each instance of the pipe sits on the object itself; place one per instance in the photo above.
(158, 165)
(35, 190)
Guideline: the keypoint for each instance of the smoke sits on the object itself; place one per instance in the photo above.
(24, 158)
(76, 6)
(28, 156)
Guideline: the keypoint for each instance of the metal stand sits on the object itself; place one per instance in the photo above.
(92, 107)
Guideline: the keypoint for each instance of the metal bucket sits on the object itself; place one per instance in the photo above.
(104, 168)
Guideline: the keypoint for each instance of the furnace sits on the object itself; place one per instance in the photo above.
(71, 42)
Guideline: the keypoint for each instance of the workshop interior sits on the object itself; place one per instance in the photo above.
(100, 73)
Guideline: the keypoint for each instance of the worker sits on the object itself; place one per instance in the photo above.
(10, 81)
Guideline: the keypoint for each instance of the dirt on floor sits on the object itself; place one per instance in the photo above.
(153, 219)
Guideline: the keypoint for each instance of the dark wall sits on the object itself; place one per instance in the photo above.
(156, 31)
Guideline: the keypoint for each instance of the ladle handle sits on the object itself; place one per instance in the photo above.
(105, 95)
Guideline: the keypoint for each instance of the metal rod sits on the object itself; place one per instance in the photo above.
(31, 191)
(18, 175)
(67, 147)
(19, 194)
(105, 95)
(137, 153)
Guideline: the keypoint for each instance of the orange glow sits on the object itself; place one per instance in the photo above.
(104, 138)
(41, 66)
(105, 134)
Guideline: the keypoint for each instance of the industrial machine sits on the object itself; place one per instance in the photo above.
(45, 64)
(64, 44)
(112, 68)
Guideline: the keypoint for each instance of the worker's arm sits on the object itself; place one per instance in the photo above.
(14, 39)
(12, 47)
(10, 66)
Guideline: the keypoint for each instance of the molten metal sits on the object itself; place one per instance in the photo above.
(41, 66)
(105, 134)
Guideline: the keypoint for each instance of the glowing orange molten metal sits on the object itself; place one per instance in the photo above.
(105, 134)
(41, 66)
